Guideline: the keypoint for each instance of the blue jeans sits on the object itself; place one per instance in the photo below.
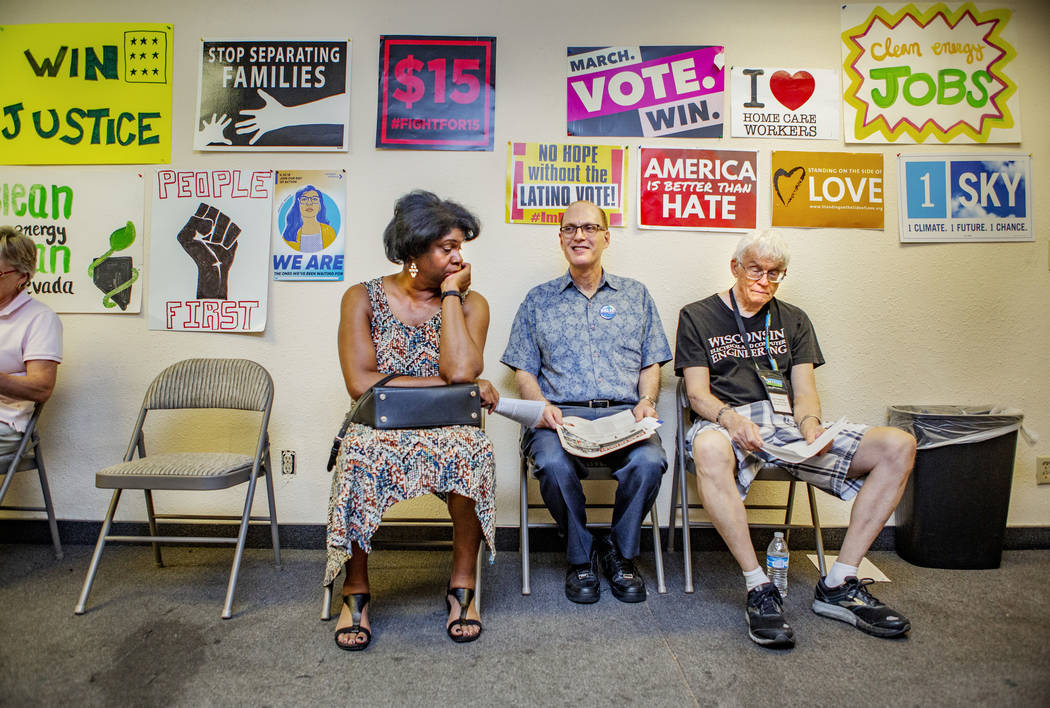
(638, 470)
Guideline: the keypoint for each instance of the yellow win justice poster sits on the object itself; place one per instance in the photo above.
(544, 178)
(827, 189)
(88, 93)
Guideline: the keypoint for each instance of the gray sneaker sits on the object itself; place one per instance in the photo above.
(852, 603)
(765, 618)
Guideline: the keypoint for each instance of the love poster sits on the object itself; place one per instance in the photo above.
(209, 246)
(700, 190)
(544, 178)
(940, 73)
(653, 92)
(273, 95)
(829, 189)
(88, 234)
(309, 221)
(965, 197)
(785, 103)
(90, 93)
(436, 93)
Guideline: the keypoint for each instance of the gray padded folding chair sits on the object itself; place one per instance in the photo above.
(29, 456)
(195, 383)
(684, 465)
(595, 471)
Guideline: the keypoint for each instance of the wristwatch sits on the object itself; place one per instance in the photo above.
(648, 398)
(452, 292)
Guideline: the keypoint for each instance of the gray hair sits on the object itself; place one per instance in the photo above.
(19, 250)
(767, 244)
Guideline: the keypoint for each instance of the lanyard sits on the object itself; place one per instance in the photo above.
(743, 333)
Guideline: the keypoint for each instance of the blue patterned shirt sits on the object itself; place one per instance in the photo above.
(579, 348)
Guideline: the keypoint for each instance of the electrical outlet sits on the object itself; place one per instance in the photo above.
(287, 461)
(1042, 470)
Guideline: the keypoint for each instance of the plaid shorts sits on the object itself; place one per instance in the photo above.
(827, 471)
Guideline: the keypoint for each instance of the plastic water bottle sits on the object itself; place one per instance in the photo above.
(777, 562)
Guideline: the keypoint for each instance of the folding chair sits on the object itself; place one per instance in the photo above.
(29, 456)
(684, 465)
(195, 384)
(595, 471)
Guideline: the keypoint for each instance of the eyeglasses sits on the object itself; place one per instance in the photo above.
(589, 229)
(7, 272)
(753, 272)
(309, 200)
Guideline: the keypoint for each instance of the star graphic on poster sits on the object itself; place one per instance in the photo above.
(147, 69)
(133, 41)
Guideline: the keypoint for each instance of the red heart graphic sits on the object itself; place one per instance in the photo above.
(792, 90)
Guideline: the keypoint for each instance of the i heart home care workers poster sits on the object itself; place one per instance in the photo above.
(209, 246)
(800, 104)
(309, 222)
(88, 234)
(942, 73)
(92, 93)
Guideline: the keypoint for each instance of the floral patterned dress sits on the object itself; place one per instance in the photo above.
(377, 468)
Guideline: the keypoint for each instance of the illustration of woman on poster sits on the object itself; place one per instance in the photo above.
(307, 229)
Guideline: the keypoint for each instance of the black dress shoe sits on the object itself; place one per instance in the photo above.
(582, 584)
(625, 581)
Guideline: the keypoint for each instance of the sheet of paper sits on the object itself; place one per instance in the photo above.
(593, 438)
(799, 451)
(527, 413)
(867, 569)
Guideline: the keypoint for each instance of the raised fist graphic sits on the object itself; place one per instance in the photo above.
(210, 239)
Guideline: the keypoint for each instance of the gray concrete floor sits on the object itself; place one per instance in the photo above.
(153, 636)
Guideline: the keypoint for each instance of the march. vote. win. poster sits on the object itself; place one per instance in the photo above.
(209, 243)
(309, 223)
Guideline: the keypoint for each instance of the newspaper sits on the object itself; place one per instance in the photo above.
(594, 438)
(799, 451)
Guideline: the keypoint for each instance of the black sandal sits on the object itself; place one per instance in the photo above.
(360, 602)
(464, 596)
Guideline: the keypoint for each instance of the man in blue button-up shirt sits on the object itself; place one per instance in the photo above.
(590, 344)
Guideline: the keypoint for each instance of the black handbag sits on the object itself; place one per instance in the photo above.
(391, 407)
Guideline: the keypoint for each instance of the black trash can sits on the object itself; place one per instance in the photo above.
(953, 511)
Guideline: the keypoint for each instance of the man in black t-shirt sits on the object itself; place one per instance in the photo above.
(748, 362)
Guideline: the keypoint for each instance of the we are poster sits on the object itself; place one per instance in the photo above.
(698, 190)
(544, 178)
(943, 73)
(828, 189)
(785, 103)
(273, 95)
(88, 234)
(209, 247)
(86, 93)
(965, 197)
(309, 223)
(646, 91)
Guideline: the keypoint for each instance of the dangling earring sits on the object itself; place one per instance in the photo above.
(412, 270)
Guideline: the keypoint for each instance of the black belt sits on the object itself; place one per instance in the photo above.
(595, 403)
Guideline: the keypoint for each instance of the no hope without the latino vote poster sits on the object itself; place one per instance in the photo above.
(544, 178)
(309, 223)
(88, 234)
(436, 93)
(939, 73)
(695, 189)
(646, 91)
(785, 103)
(209, 246)
(90, 93)
(827, 189)
(273, 95)
(965, 197)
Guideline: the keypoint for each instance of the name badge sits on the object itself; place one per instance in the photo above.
(777, 389)
(607, 312)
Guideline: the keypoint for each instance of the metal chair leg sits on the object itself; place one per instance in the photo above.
(661, 585)
(671, 522)
(687, 543)
(274, 535)
(477, 577)
(326, 606)
(49, 507)
(227, 608)
(818, 535)
(97, 555)
(151, 516)
(523, 528)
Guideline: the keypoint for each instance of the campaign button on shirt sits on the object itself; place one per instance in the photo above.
(607, 312)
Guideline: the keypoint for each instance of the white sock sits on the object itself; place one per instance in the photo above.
(838, 574)
(754, 578)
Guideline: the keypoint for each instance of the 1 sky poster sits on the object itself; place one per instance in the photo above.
(88, 233)
(436, 93)
(785, 103)
(942, 73)
(273, 95)
(89, 93)
(309, 222)
(646, 91)
(965, 197)
(209, 246)
(829, 189)
(698, 190)
(544, 178)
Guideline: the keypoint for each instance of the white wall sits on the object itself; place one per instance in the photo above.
(961, 323)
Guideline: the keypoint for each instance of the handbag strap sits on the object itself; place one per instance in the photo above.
(337, 443)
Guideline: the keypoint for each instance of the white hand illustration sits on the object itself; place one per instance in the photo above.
(212, 132)
(274, 115)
